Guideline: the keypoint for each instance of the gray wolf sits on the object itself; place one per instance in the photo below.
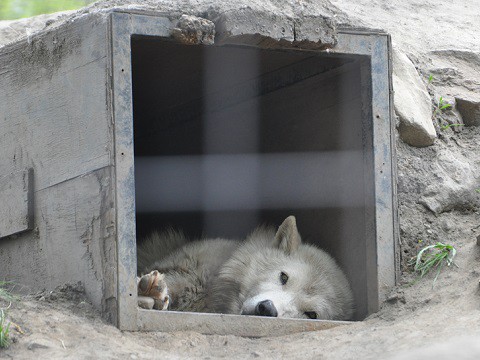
(271, 273)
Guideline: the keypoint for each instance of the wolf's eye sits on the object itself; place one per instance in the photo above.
(311, 314)
(283, 278)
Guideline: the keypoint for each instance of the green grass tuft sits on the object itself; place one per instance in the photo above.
(5, 297)
(4, 330)
(434, 257)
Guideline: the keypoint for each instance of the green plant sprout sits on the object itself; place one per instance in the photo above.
(442, 104)
(430, 79)
(434, 256)
(477, 190)
(445, 127)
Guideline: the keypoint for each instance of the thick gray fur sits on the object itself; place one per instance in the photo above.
(227, 276)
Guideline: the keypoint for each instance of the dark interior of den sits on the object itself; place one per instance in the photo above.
(230, 137)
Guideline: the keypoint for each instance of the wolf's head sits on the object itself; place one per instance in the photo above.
(275, 274)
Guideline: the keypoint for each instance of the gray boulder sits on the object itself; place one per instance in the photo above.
(469, 109)
(455, 184)
(412, 103)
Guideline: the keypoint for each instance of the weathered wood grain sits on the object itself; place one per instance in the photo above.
(55, 117)
(53, 104)
(73, 241)
(16, 199)
(239, 325)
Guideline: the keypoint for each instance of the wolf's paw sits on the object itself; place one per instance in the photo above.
(153, 286)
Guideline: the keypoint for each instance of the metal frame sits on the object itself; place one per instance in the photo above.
(381, 254)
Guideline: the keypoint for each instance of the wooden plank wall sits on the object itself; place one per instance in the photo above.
(56, 119)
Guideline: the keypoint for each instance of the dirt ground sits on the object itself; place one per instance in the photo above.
(418, 321)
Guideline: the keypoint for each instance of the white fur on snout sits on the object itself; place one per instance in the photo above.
(282, 300)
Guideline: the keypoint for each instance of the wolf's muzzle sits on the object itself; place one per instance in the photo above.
(266, 308)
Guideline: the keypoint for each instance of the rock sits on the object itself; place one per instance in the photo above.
(193, 30)
(469, 109)
(235, 26)
(412, 103)
(396, 297)
(454, 188)
(478, 240)
(314, 32)
(447, 225)
(38, 344)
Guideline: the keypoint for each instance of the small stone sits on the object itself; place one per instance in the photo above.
(396, 297)
(478, 240)
(36, 345)
(447, 225)
(192, 30)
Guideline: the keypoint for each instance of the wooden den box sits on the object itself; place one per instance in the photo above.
(110, 129)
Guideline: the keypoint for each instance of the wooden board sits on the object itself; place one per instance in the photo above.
(221, 324)
(53, 104)
(16, 212)
(73, 242)
(56, 118)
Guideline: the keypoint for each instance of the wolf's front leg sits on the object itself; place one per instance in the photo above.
(152, 286)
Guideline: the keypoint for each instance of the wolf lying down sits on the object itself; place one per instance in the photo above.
(269, 274)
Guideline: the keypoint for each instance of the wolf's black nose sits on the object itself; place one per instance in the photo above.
(266, 308)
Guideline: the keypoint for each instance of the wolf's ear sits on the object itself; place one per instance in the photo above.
(287, 237)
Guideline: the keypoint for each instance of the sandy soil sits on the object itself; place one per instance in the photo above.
(419, 320)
